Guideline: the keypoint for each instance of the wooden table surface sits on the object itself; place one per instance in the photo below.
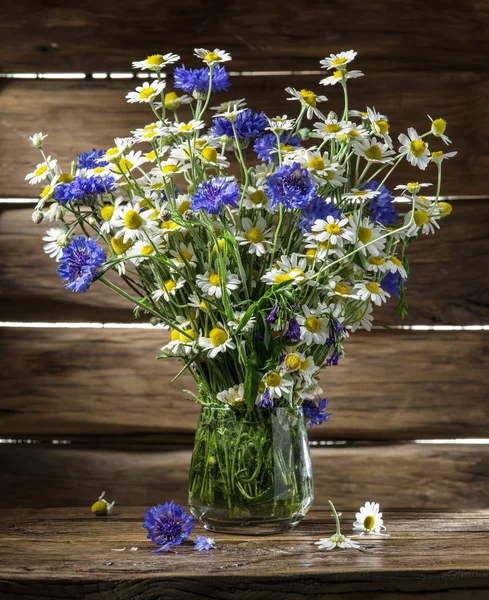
(68, 553)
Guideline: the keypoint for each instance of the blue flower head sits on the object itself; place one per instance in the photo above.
(204, 543)
(79, 263)
(291, 186)
(90, 160)
(266, 401)
(317, 208)
(248, 124)
(167, 525)
(83, 189)
(272, 315)
(212, 195)
(381, 208)
(197, 80)
(266, 146)
(391, 282)
(314, 412)
(294, 331)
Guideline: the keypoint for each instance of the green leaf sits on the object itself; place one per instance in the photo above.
(252, 379)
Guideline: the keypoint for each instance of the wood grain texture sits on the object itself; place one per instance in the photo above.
(431, 476)
(391, 385)
(442, 289)
(261, 35)
(79, 115)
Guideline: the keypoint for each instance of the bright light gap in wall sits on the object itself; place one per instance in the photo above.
(131, 75)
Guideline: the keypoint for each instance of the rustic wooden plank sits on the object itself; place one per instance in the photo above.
(441, 289)
(431, 476)
(259, 35)
(391, 385)
(79, 115)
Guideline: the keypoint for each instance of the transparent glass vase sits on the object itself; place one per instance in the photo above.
(251, 470)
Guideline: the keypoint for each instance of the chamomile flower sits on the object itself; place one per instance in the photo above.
(234, 396)
(54, 213)
(320, 167)
(331, 129)
(156, 62)
(336, 286)
(210, 283)
(256, 236)
(377, 264)
(230, 113)
(338, 61)
(337, 539)
(424, 221)
(314, 329)
(292, 362)
(127, 163)
(173, 101)
(146, 92)
(293, 268)
(210, 157)
(372, 150)
(134, 222)
(368, 520)
(438, 128)
(361, 194)
(415, 148)
(109, 214)
(394, 265)
(144, 249)
(200, 304)
(42, 171)
(241, 103)
(170, 168)
(340, 75)
(184, 255)
(168, 288)
(256, 199)
(370, 290)
(333, 230)
(365, 318)
(183, 341)
(57, 239)
(150, 132)
(366, 236)
(238, 316)
(212, 57)
(379, 124)
(439, 156)
(308, 100)
(218, 341)
(412, 188)
(189, 128)
(112, 155)
(277, 385)
(37, 140)
(278, 125)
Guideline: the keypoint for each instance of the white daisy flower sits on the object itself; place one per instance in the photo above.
(173, 101)
(424, 222)
(200, 304)
(187, 128)
(377, 264)
(125, 164)
(143, 249)
(212, 57)
(331, 129)
(231, 113)
(415, 148)
(37, 140)
(278, 125)
(338, 61)
(54, 213)
(292, 362)
(372, 150)
(182, 343)
(58, 239)
(168, 288)
(439, 156)
(170, 168)
(365, 320)
(370, 290)
(412, 188)
(320, 167)
(150, 132)
(225, 105)
(340, 75)
(314, 330)
(338, 287)
(337, 539)
(256, 199)
(42, 171)
(209, 156)
(108, 214)
(308, 371)
(361, 194)
(113, 154)
(366, 236)
(184, 255)
(368, 520)
(218, 341)
(238, 317)
(379, 124)
(262, 172)
(277, 385)
(394, 265)
(333, 230)
(156, 62)
(146, 92)
(293, 268)
(438, 127)
(135, 222)
(209, 283)
(256, 236)
(234, 396)
(308, 100)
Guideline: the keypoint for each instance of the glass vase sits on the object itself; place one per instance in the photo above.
(251, 470)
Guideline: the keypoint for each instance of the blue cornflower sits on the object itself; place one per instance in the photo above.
(83, 189)
(79, 263)
(272, 315)
(90, 160)
(381, 208)
(248, 124)
(314, 412)
(291, 186)
(197, 80)
(391, 283)
(213, 194)
(168, 525)
(294, 331)
(266, 401)
(318, 208)
(204, 543)
(266, 146)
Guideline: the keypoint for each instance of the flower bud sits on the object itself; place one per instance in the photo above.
(154, 321)
(332, 115)
(37, 217)
(37, 140)
(189, 215)
(165, 215)
(92, 221)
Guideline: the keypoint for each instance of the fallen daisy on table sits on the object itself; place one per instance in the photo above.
(369, 519)
(337, 539)
(102, 507)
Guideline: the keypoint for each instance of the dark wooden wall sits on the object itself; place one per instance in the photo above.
(87, 406)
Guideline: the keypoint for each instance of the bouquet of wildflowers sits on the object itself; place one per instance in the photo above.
(257, 240)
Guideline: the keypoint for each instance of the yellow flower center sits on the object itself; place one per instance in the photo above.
(439, 126)
(168, 169)
(221, 244)
(333, 229)
(286, 147)
(149, 135)
(413, 187)
(218, 336)
(293, 362)
(155, 60)
(369, 522)
(169, 285)
(171, 99)
(107, 213)
(186, 127)
(124, 166)
(41, 170)
(313, 324)
(150, 156)
(372, 287)
(363, 113)
(383, 126)
(396, 261)
(174, 335)
(168, 225)
(296, 273)
(305, 364)
(209, 154)
(273, 379)
(147, 250)
(374, 152)
(375, 260)
(282, 277)
(46, 191)
(338, 74)
(417, 147)
(133, 220)
(119, 246)
(311, 253)
(437, 154)
(332, 127)
(364, 234)
(189, 334)
(214, 279)
(308, 97)
(326, 244)
(420, 217)
(316, 163)
(65, 178)
(338, 61)
(254, 235)
(341, 288)
(257, 196)
(146, 93)
(211, 57)
(445, 208)
(184, 255)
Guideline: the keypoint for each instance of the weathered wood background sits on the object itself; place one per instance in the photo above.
(87, 406)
